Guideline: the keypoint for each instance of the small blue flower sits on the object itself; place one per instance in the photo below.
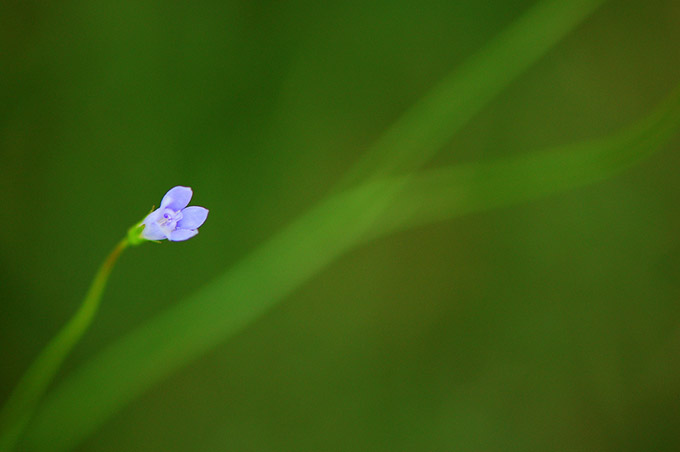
(174, 220)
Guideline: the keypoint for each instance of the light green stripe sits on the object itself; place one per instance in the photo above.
(430, 124)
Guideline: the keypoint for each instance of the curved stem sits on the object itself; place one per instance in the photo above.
(23, 400)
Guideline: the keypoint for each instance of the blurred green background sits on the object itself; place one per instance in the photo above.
(553, 325)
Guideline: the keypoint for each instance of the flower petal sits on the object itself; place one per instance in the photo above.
(152, 231)
(177, 198)
(193, 217)
(179, 235)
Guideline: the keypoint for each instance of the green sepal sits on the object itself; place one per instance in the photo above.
(134, 235)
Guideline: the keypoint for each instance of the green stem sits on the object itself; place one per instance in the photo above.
(21, 404)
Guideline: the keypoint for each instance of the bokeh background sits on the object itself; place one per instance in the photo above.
(553, 325)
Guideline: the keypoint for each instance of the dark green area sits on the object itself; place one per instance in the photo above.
(553, 325)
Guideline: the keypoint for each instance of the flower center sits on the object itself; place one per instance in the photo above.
(169, 219)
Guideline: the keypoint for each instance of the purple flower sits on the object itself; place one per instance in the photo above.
(174, 220)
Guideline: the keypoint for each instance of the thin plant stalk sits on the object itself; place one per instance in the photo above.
(22, 402)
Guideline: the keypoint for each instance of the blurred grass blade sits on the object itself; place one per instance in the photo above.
(427, 126)
(124, 370)
(445, 193)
